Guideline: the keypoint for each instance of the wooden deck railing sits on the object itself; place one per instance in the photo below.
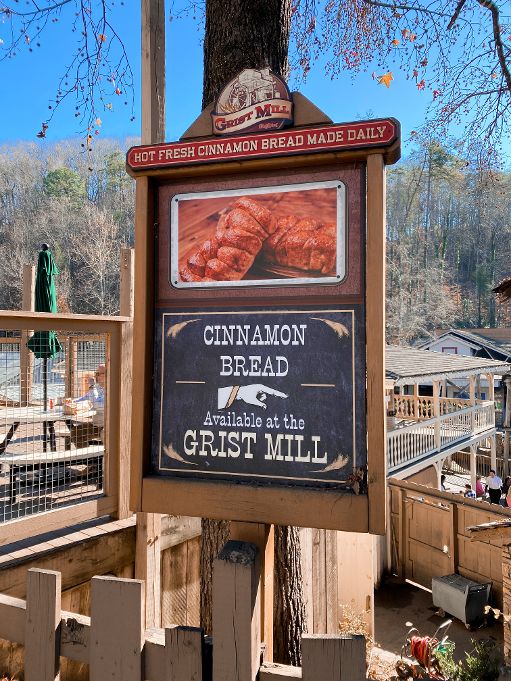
(419, 441)
(116, 332)
(420, 407)
(116, 646)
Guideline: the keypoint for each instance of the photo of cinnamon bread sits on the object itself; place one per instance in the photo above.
(257, 237)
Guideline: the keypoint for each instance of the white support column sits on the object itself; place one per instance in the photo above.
(493, 454)
(472, 396)
(473, 466)
(436, 412)
(491, 387)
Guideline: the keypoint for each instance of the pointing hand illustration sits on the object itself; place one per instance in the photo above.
(254, 394)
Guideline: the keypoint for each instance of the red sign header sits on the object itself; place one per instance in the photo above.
(339, 137)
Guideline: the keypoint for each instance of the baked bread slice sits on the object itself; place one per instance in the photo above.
(303, 243)
(238, 239)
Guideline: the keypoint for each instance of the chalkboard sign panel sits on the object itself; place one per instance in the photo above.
(270, 397)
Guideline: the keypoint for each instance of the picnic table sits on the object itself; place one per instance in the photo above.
(43, 460)
(14, 416)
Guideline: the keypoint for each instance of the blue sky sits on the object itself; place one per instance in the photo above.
(29, 81)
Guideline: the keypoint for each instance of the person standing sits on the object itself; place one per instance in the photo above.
(494, 484)
(479, 488)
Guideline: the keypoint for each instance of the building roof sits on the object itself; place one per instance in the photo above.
(495, 341)
(405, 365)
(503, 290)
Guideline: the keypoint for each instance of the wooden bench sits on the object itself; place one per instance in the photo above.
(44, 460)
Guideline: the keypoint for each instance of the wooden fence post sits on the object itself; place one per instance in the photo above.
(236, 613)
(42, 635)
(331, 657)
(27, 357)
(117, 629)
(183, 654)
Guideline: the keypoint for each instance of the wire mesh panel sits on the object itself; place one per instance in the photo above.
(52, 418)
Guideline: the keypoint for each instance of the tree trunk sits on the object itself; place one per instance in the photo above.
(241, 35)
(288, 612)
(214, 535)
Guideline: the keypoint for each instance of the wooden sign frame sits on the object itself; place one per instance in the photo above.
(254, 503)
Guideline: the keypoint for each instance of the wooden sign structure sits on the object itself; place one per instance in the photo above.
(259, 321)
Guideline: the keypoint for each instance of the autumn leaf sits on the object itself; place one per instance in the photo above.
(396, 42)
(385, 79)
(415, 73)
(117, 91)
(421, 85)
(412, 37)
(436, 93)
(102, 38)
(493, 75)
(424, 62)
(98, 121)
(405, 33)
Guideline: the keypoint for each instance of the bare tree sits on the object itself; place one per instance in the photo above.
(98, 70)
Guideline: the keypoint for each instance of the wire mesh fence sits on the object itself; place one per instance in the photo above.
(52, 418)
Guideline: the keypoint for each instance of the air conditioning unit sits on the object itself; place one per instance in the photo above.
(461, 597)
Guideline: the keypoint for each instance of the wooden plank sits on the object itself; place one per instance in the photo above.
(46, 321)
(174, 586)
(236, 613)
(142, 341)
(307, 581)
(26, 356)
(183, 653)
(147, 564)
(12, 619)
(269, 671)
(75, 637)
(178, 529)
(153, 71)
(193, 557)
(331, 582)
(375, 344)
(319, 581)
(263, 536)
(78, 564)
(42, 635)
(333, 657)
(229, 501)
(117, 629)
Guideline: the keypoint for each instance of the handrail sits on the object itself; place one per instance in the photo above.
(421, 440)
(48, 321)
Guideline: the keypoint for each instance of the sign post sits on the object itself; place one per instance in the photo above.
(259, 316)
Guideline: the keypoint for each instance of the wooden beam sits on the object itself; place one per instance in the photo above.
(153, 71)
(263, 536)
(236, 613)
(42, 634)
(148, 564)
(88, 556)
(183, 653)
(48, 321)
(375, 344)
(494, 530)
(270, 671)
(26, 356)
(221, 501)
(117, 629)
(333, 657)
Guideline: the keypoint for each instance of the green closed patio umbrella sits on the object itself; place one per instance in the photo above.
(45, 344)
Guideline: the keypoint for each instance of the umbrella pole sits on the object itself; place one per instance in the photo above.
(45, 401)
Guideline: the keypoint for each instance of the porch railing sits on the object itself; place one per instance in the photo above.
(420, 407)
(418, 441)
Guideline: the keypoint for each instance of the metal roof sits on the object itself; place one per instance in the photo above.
(405, 365)
(496, 340)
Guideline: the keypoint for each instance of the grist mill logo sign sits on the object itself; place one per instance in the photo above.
(257, 99)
